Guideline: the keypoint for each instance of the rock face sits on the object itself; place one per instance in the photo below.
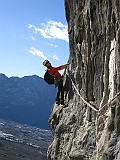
(80, 133)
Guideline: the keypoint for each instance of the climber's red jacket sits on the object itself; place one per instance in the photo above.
(54, 71)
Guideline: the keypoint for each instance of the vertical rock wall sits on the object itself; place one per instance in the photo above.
(94, 41)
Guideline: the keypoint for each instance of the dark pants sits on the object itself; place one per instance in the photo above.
(60, 93)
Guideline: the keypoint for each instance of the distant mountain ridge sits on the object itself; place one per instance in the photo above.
(26, 100)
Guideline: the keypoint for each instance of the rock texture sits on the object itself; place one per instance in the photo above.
(79, 132)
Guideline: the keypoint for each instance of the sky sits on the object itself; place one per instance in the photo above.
(30, 32)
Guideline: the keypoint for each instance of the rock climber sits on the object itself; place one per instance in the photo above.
(58, 80)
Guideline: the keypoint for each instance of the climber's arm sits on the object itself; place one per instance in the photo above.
(61, 67)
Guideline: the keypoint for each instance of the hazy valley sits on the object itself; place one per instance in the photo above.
(23, 142)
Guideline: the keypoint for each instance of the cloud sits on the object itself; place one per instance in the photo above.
(37, 52)
(31, 26)
(34, 51)
(53, 45)
(55, 57)
(33, 38)
(52, 30)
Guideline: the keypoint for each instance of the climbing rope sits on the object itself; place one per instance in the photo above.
(88, 104)
(117, 94)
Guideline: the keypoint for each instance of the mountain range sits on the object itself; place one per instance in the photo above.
(27, 100)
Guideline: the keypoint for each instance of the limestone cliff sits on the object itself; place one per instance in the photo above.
(80, 133)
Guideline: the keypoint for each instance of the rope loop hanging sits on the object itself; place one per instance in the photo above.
(88, 104)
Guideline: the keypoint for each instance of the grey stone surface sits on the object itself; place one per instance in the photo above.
(94, 41)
